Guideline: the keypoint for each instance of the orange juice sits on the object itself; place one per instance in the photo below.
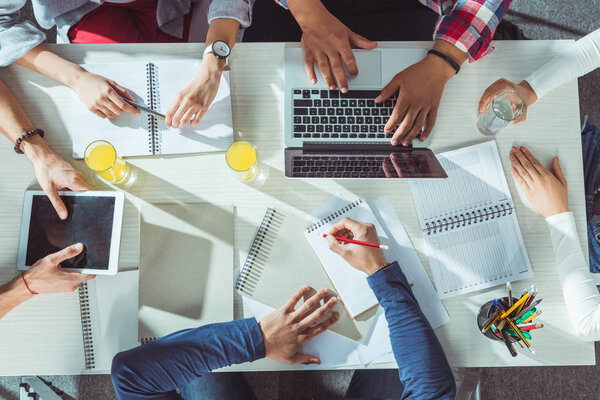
(241, 158)
(101, 157)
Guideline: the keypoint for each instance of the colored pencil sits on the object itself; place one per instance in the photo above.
(341, 239)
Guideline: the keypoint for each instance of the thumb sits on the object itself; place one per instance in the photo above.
(557, 171)
(121, 90)
(387, 92)
(67, 252)
(57, 203)
(334, 245)
(361, 41)
(302, 358)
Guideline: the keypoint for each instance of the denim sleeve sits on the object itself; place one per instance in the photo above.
(422, 365)
(156, 369)
(16, 38)
(240, 10)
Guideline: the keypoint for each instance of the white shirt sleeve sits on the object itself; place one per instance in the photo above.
(577, 60)
(579, 290)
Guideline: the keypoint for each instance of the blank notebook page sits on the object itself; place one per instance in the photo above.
(128, 133)
(350, 283)
(215, 130)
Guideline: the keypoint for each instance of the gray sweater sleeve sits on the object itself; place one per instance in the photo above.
(16, 38)
(240, 10)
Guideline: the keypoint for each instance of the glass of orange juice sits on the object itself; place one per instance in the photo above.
(101, 157)
(241, 158)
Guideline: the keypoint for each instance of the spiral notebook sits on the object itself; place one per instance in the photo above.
(186, 267)
(280, 261)
(469, 223)
(154, 85)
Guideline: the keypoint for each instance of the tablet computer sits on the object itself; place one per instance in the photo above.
(95, 219)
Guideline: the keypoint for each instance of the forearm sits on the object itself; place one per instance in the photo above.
(12, 294)
(42, 60)
(156, 369)
(304, 11)
(579, 290)
(422, 365)
(576, 61)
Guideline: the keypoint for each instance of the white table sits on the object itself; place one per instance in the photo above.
(552, 127)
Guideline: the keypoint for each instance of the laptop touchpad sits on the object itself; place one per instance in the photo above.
(369, 70)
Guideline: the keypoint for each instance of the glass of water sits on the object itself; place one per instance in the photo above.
(506, 107)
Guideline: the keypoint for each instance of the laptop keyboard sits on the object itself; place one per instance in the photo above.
(331, 114)
(342, 166)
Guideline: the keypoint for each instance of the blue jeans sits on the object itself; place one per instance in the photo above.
(590, 143)
(365, 384)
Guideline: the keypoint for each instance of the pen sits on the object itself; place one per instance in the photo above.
(524, 316)
(510, 301)
(517, 304)
(488, 324)
(532, 316)
(526, 325)
(506, 341)
(530, 328)
(529, 308)
(341, 239)
(143, 108)
(534, 293)
(518, 332)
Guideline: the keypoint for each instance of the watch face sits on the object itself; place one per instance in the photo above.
(221, 49)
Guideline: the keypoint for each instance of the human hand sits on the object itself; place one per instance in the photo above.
(47, 276)
(102, 95)
(328, 42)
(194, 100)
(545, 190)
(285, 330)
(53, 172)
(523, 89)
(364, 258)
(396, 172)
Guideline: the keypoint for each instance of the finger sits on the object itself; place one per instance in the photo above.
(320, 328)
(558, 172)
(405, 126)
(179, 114)
(338, 72)
(523, 116)
(310, 304)
(387, 92)
(416, 128)
(323, 63)
(291, 304)
(489, 93)
(429, 123)
(526, 163)
(112, 107)
(334, 245)
(534, 161)
(346, 223)
(386, 171)
(106, 111)
(309, 64)
(395, 164)
(199, 114)
(398, 113)
(318, 315)
(76, 276)
(516, 163)
(66, 253)
(98, 113)
(57, 203)
(520, 181)
(121, 90)
(186, 117)
(361, 41)
(301, 358)
(122, 104)
(350, 61)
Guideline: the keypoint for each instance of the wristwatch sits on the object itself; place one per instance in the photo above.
(221, 50)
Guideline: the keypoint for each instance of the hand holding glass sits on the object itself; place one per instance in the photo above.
(506, 107)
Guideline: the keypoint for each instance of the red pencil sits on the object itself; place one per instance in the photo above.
(341, 239)
(532, 327)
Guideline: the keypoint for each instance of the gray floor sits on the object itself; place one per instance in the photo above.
(539, 19)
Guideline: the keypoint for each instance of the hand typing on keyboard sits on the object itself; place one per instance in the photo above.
(328, 42)
(419, 89)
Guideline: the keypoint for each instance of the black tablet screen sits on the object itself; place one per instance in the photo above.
(90, 222)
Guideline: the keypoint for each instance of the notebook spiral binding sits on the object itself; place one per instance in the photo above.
(468, 218)
(154, 99)
(333, 216)
(147, 340)
(86, 326)
(251, 270)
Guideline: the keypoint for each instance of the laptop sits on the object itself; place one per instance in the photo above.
(330, 134)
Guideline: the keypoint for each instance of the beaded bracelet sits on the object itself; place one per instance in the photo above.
(26, 136)
(26, 285)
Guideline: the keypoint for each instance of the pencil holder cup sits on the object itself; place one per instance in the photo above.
(485, 312)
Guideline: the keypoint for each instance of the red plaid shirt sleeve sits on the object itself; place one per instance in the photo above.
(471, 24)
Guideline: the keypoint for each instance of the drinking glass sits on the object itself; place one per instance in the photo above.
(101, 157)
(241, 158)
(506, 107)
